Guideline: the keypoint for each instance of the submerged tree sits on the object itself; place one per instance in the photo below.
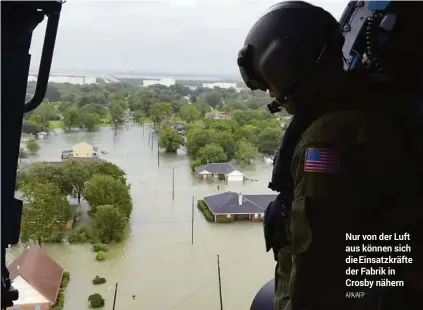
(46, 210)
(32, 146)
(109, 224)
(169, 139)
(78, 173)
(103, 190)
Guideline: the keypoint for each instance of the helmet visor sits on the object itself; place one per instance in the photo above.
(246, 69)
(251, 82)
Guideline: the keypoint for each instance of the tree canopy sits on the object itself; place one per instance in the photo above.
(169, 139)
(109, 224)
(102, 183)
(45, 211)
(103, 190)
(88, 107)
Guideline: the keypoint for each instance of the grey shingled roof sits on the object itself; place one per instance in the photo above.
(227, 203)
(218, 168)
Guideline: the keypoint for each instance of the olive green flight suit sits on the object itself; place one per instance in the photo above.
(282, 276)
(349, 168)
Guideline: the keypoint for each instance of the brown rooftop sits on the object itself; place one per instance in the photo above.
(40, 271)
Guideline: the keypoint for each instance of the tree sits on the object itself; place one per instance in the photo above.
(78, 173)
(160, 111)
(109, 224)
(108, 168)
(135, 103)
(31, 127)
(138, 117)
(45, 211)
(96, 300)
(249, 133)
(180, 89)
(43, 114)
(169, 139)
(198, 137)
(269, 140)
(52, 93)
(178, 104)
(90, 121)
(211, 153)
(47, 173)
(226, 140)
(245, 151)
(64, 105)
(202, 106)
(232, 105)
(94, 108)
(23, 154)
(189, 113)
(99, 280)
(88, 98)
(32, 146)
(71, 118)
(213, 99)
(103, 190)
(117, 112)
(245, 117)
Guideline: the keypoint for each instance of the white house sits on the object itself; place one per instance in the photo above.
(221, 171)
(235, 176)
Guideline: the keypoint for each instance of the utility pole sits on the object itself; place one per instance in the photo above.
(158, 153)
(149, 137)
(114, 298)
(220, 283)
(173, 183)
(152, 139)
(192, 221)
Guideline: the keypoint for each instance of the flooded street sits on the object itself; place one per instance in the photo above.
(157, 262)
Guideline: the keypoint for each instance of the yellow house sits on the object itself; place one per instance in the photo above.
(84, 149)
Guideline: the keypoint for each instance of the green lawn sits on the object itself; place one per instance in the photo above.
(104, 122)
(56, 124)
(148, 120)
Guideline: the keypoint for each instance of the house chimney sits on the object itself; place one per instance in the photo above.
(240, 199)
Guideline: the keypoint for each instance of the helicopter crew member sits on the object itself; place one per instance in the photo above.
(343, 167)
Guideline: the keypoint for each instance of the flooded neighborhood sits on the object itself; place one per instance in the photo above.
(144, 176)
(157, 266)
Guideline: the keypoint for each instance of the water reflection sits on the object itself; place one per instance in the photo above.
(157, 262)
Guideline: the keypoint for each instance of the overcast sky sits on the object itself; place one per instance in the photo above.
(155, 36)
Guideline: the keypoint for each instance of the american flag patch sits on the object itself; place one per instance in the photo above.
(321, 160)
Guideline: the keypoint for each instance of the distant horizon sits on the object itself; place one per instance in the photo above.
(140, 74)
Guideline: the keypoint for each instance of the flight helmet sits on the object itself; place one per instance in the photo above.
(292, 50)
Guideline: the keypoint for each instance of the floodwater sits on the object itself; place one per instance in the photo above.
(157, 262)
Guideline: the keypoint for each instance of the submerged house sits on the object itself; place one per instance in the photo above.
(37, 277)
(230, 206)
(220, 171)
(81, 150)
